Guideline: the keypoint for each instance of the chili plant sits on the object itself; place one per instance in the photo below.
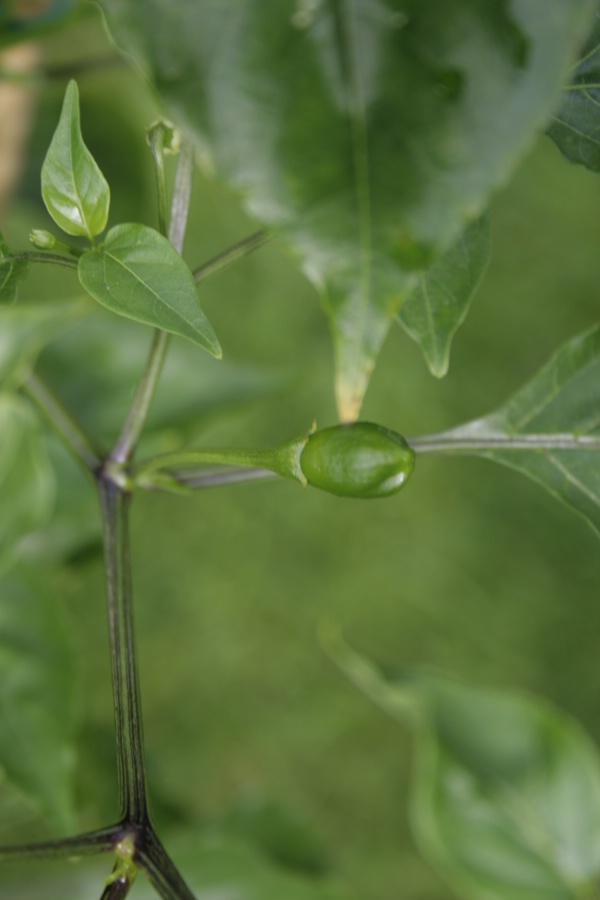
(369, 137)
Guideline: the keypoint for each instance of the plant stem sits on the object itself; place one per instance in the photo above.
(160, 869)
(156, 142)
(182, 192)
(223, 456)
(63, 422)
(128, 722)
(449, 443)
(283, 459)
(117, 889)
(238, 251)
(136, 419)
(101, 841)
(42, 256)
(218, 477)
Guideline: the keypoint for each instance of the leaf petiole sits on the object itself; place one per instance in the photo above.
(238, 251)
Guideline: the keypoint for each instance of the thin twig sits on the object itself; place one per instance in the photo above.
(101, 841)
(41, 256)
(218, 477)
(126, 695)
(164, 875)
(138, 413)
(449, 443)
(182, 192)
(117, 889)
(63, 422)
(244, 248)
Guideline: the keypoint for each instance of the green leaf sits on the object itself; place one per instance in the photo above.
(12, 272)
(27, 485)
(439, 304)
(369, 133)
(137, 273)
(24, 330)
(550, 429)
(575, 128)
(506, 798)
(192, 391)
(73, 187)
(285, 835)
(37, 697)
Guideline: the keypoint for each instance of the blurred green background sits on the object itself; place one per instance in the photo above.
(471, 569)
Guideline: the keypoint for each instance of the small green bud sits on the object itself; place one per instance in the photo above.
(357, 460)
(44, 240)
(166, 134)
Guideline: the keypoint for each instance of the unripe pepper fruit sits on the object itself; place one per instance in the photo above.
(360, 459)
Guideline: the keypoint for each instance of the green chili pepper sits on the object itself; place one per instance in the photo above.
(357, 460)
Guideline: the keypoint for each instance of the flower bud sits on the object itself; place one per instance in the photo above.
(357, 460)
(44, 240)
(167, 134)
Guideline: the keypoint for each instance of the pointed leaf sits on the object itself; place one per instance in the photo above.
(575, 128)
(138, 274)
(506, 800)
(12, 272)
(24, 330)
(440, 302)
(550, 429)
(368, 132)
(27, 485)
(73, 187)
(37, 697)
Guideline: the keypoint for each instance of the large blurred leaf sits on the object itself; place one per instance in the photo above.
(74, 189)
(220, 866)
(280, 831)
(369, 132)
(440, 302)
(550, 429)
(37, 698)
(137, 273)
(12, 272)
(27, 484)
(24, 330)
(506, 799)
(110, 355)
(576, 126)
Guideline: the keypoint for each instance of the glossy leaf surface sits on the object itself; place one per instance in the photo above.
(575, 127)
(137, 273)
(73, 187)
(12, 272)
(37, 698)
(368, 133)
(27, 485)
(440, 302)
(506, 799)
(560, 406)
(24, 330)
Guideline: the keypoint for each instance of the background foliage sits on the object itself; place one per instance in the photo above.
(472, 569)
